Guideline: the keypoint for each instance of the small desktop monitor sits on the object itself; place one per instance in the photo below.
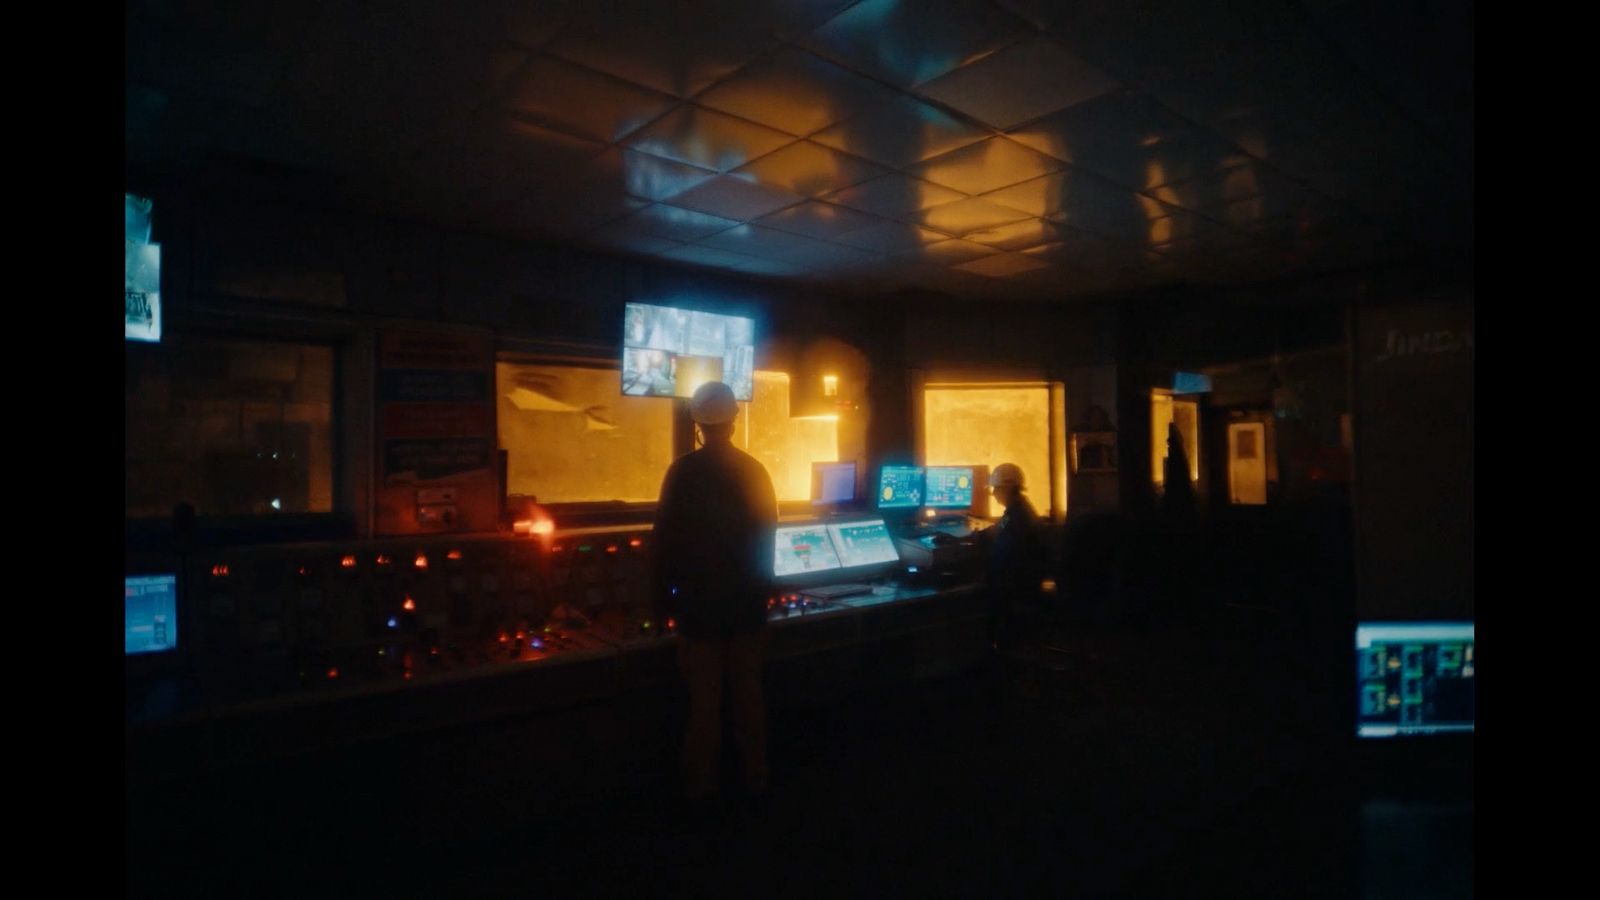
(863, 543)
(833, 483)
(151, 607)
(1414, 678)
(949, 487)
(803, 550)
(900, 487)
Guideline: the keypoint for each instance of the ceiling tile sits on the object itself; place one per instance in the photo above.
(768, 243)
(965, 216)
(908, 42)
(891, 237)
(794, 91)
(814, 218)
(569, 98)
(650, 177)
(986, 166)
(901, 132)
(1020, 83)
(1003, 265)
(811, 170)
(733, 197)
(695, 254)
(955, 251)
(706, 138)
(1018, 235)
(656, 45)
(894, 196)
(675, 223)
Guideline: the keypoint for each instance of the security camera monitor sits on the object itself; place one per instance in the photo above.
(1414, 678)
(833, 483)
(802, 550)
(863, 543)
(949, 487)
(668, 352)
(900, 487)
(151, 609)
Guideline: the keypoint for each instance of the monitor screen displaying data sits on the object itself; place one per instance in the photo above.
(949, 487)
(900, 487)
(863, 543)
(802, 549)
(152, 613)
(1415, 678)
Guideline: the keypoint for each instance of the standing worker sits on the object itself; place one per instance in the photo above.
(714, 533)
(1016, 556)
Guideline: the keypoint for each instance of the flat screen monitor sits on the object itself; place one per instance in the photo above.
(802, 550)
(1414, 678)
(863, 543)
(900, 487)
(668, 352)
(151, 607)
(141, 273)
(833, 483)
(949, 487)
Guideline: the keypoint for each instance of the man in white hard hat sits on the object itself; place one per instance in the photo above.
(1016, 555)
(714, 533)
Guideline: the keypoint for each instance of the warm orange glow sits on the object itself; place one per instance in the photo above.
(611, 548)
(1164, 410)
(333, 673)
(382, 560)
(301, 571)
(988, 425)
(671, 624)
(421, 561)
(504, 638)
(558, 548)
(407, 675)
(219, 571)
(784, 444)
(543, 527)
(409, 606)
(453, 556)
(635, 542)
(830, 385)
(348, 562)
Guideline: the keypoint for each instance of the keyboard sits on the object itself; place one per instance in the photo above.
(834, 591)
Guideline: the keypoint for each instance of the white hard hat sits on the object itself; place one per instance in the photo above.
(1007, 474)
(713, 404)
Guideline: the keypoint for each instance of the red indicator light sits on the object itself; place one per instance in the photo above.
(611, 548)
(333, 673)
(302, 571)
(635, 543)
(523, 634)
(220, 570)
(504, 638)
(348, 562)
(409, 606)
(453, 556)
(671, 624)
(421, 561)
(557, 548)
(382, 560)
(433, 651)
(407, 676)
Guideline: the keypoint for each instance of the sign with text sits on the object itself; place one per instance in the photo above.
(436, 433)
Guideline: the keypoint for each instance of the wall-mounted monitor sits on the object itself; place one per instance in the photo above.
(141, 296)
(669, 352)
(802, 550)
(833, 483)
(151, 609)
(950, 487)
(1415, 678)
(900, 487)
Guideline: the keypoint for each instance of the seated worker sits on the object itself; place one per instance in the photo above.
(714, 533)
(1017, 557)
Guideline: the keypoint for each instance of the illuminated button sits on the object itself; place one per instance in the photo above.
(410, 605)
(333, 673)
(347, 562)
(382, 560)
(585, 548)
(453, 556)
(393, 622)
(219, 570)
(421, 561)
(636, 543)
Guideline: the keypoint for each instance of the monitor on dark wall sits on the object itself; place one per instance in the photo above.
(150, 607)
(1415, 678)
(141, 296)
(668, 351)
(900, 487)
(833, 483)
(949, 487)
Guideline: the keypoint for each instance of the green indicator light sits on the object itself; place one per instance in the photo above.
(584, 548)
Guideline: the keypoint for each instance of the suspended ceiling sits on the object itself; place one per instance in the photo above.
(1011, 149)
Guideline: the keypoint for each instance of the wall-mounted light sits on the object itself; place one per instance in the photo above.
(830, 385)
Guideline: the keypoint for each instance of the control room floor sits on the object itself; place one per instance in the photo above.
(1184, 759)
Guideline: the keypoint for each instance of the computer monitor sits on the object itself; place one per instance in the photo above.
(949, 487)
(668, 351)
(803, 550)
(151, 608)
(833, 483)
(900, 487)
(1414, 678)
(862, 543)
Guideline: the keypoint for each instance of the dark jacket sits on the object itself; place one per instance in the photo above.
(714, 534)
(1017, 557)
